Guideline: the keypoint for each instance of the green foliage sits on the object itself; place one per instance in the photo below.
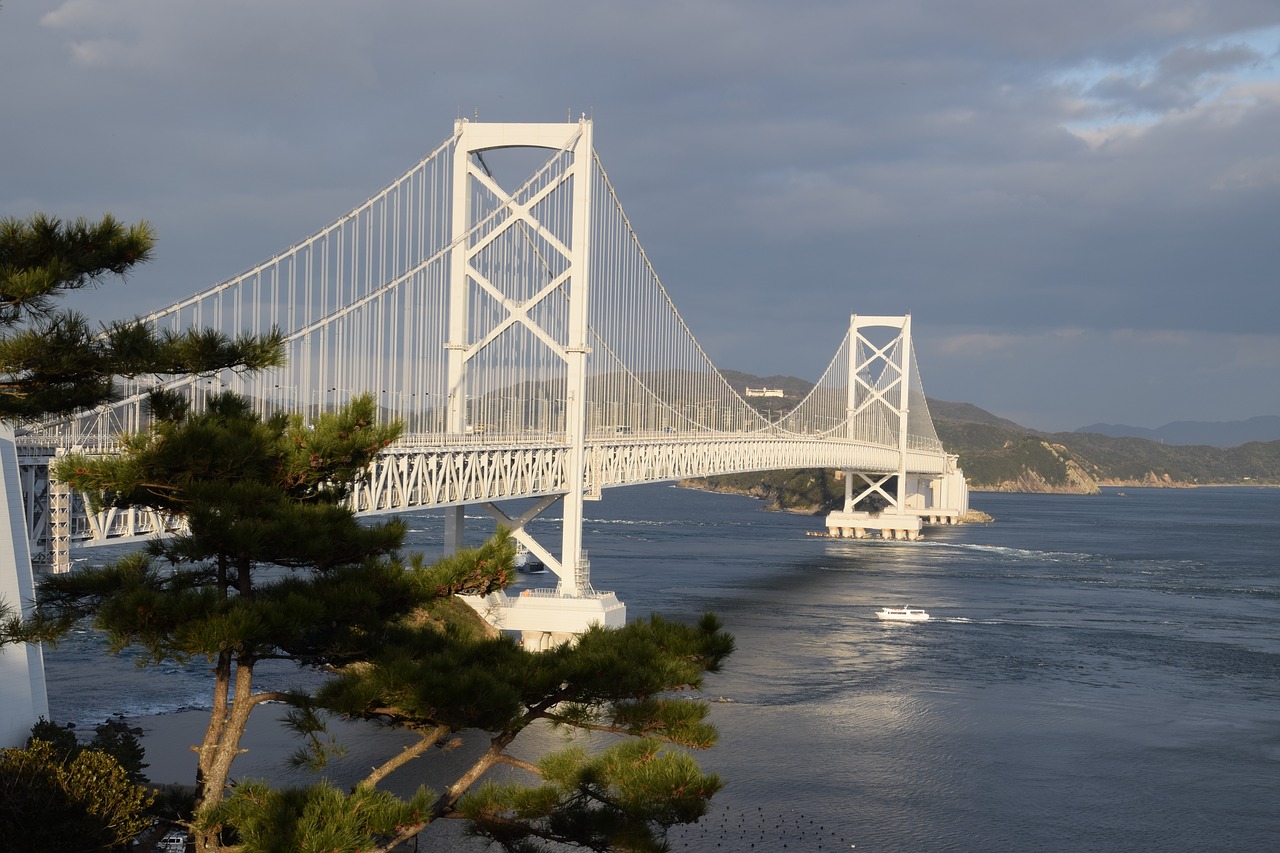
(994, 451)
(226, 457)
(1135, 458)
(271, 565)
(54, 362)
(610, 678)
(112, 737)
(253, 492)
(318, 819)
(42, 255)
(115, 739)
(49, 802)
(812, 490)
(624, 798)
(62, 741)
(634, 682)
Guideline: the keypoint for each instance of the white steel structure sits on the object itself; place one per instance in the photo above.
(517, 330)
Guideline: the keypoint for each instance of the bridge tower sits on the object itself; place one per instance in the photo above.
(543, 619)
(879, 393)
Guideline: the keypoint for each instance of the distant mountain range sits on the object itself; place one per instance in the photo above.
(1212, 433)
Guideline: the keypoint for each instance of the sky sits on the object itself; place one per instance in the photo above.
(1078, 203)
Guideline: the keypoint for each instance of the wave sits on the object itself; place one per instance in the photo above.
(1016, 553)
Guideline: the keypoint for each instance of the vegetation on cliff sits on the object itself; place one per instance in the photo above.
(804, 490)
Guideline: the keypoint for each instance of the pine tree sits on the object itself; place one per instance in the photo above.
(116, 739)
(112, 737)
(635, 683)
(270, 564)
(53, 361)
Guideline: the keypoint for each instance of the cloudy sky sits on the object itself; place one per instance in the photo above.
(1078, 203)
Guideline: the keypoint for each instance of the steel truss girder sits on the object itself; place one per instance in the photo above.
(47, 506)
(412, 478)
(401, 479)
(405, 478)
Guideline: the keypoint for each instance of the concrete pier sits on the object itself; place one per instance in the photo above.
(547, 618)
(865, 525)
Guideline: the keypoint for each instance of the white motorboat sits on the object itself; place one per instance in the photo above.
(902, 614)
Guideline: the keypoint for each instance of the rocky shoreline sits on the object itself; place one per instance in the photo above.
(1029, 482)
(1080, 483)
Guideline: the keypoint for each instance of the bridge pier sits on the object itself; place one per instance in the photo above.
(845, 524)
(546, 618)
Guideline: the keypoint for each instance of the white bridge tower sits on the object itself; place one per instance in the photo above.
(544, 617)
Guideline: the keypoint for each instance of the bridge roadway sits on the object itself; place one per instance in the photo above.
(441, 470)
(431, 471)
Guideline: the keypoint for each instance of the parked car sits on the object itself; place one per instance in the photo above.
(172, 842)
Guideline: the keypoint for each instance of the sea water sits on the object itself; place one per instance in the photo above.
(1100, 673)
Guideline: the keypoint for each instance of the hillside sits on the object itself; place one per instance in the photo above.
(1000, 455)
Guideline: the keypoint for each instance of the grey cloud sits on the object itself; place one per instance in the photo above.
(783, 163)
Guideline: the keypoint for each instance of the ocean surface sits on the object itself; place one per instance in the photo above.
(1100, 673)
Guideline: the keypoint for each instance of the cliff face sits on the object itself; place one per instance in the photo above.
(1062, 475)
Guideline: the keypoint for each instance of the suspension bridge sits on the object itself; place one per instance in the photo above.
(496, 301)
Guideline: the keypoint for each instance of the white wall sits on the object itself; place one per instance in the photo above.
(23, 699)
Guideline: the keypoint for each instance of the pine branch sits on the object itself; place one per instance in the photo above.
(520, 763)
(409, 753)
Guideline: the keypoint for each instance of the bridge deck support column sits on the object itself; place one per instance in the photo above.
(454, 524)
(547, 618)
(59, 527)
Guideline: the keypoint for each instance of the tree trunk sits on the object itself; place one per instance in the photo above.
(204, 754)
(222, 740)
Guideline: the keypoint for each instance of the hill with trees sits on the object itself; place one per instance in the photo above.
(1000, 455)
